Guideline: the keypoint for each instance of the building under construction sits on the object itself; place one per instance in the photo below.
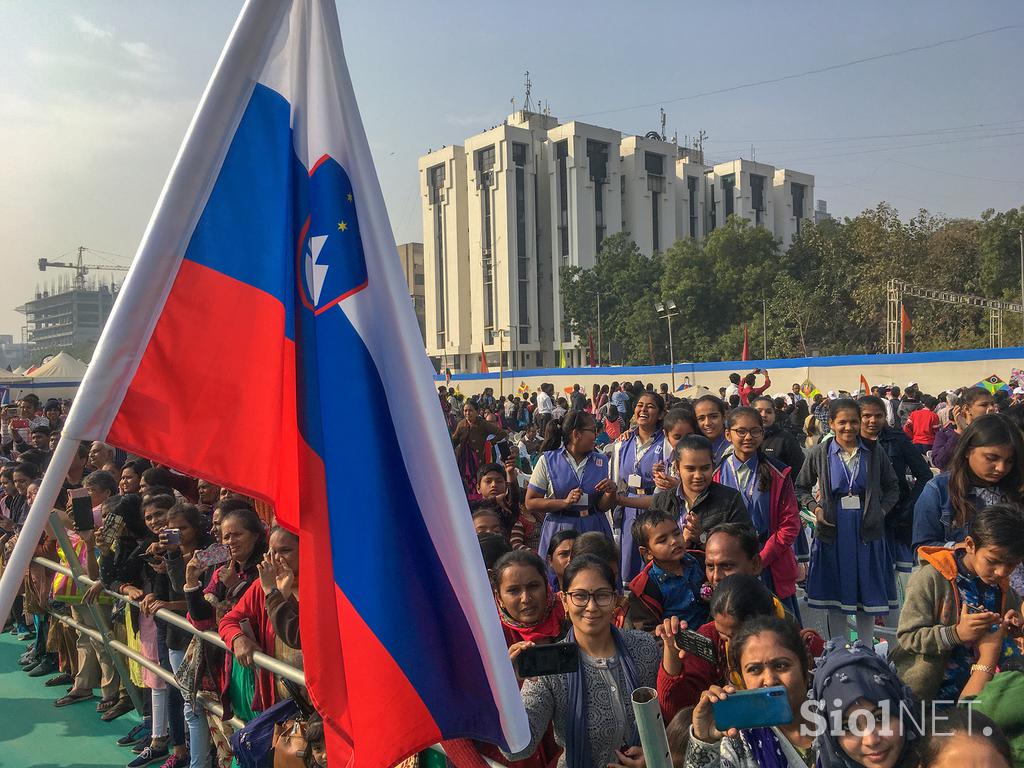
(67, 317)
(70, 310)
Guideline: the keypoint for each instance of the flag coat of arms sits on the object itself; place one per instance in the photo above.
(270, 253)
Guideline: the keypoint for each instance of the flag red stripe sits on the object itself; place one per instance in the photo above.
(187, 382)
(364, 669)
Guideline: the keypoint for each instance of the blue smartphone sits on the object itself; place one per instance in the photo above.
(757, 708)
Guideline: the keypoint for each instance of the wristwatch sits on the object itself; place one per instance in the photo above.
(983, 668)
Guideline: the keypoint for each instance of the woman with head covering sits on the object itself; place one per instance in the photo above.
(852, 679)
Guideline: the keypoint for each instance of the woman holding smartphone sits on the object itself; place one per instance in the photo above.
(181, 539)
(768, 652)
(591, 708)
(211, 591)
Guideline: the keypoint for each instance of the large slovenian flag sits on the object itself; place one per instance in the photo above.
(264, 339)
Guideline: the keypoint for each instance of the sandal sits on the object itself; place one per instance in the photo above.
(74, 698)
(106, 704)
(122, 707)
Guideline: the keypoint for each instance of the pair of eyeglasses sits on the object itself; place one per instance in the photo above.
(743, 432)
(603, 598)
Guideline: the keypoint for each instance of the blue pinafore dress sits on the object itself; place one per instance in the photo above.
(759, 506)
(849, 574)
(650, 453)
(563, 478)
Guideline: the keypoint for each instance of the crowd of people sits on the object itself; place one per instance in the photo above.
(857, 552)
(642, 528)
(166, 542)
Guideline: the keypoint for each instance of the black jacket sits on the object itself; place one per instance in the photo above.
(904, 457)
(780, 445)
(718, 504)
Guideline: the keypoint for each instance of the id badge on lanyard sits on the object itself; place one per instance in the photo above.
(635, 481)
(851, 500)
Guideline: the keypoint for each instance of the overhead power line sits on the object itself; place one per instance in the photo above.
(806, 73)
(870, 137)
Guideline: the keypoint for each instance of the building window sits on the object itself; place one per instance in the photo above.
(417, 279)
(798, 191)
(691, 190)
(728, 185)
(654, 164)
(597, 158)
(485, 182)
(522, 252)
(562, 160)
(435, 187)
(757, 197)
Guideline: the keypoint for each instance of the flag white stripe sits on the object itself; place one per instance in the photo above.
(321, 94)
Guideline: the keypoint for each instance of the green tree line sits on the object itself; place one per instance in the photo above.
(824, 295)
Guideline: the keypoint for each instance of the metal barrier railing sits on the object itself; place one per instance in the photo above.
(260, 659)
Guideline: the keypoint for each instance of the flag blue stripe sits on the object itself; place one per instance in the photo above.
(385, 561)
(259, 183)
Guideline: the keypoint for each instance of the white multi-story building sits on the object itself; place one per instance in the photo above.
(506, 211)
(585, 206)
(447, 321)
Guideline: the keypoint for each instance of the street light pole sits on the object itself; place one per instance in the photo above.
(667, 311)
(599, 317)
(1020, 234)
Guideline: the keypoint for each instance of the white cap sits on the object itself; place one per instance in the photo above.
(1018, 391)
(911, 384)
(831, 394)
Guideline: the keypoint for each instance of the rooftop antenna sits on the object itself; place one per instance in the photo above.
(753, 153)
(663, 118)
(527, 104)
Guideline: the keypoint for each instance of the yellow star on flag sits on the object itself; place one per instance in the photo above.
(342, 226)
(349, 197)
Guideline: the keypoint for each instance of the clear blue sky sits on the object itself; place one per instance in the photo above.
(96, 97)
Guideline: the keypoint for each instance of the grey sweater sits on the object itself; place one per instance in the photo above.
(547, 700)
(881, 494)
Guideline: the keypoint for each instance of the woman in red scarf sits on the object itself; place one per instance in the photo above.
(528, 609)
(529, 613)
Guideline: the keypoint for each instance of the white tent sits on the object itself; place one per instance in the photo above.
(58, 377)
(60, 368)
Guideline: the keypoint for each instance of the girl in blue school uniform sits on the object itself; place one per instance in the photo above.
(570, 484)
(851, 570)
(633, 463)
(767, 490)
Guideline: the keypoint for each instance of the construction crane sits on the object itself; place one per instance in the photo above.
(894, 306)
(81, 269)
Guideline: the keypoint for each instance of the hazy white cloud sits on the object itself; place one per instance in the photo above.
(141, 51)
(477, 121)
(89, 29)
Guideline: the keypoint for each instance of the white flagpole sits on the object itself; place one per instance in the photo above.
(35, 522)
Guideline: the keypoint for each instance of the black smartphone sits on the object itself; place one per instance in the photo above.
(553, 659)
(695, 643)
(81, 509)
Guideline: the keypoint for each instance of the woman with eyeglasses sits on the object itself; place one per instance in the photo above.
(767, 489)
(591, 708)
(570, 484)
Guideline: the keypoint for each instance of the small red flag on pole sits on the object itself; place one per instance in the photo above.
(483, 360)
(745, 355)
